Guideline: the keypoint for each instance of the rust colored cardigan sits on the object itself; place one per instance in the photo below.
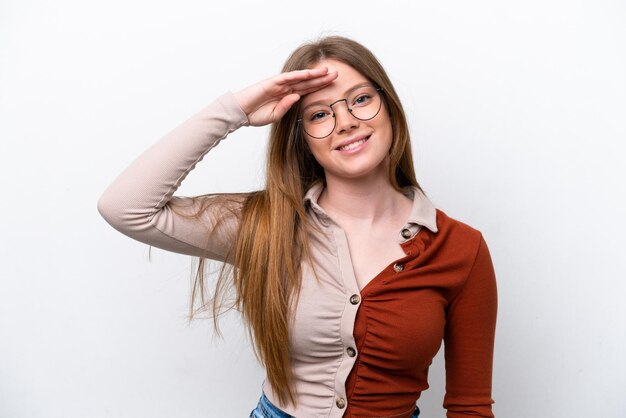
(445, 291)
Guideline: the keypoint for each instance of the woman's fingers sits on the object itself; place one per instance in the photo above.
(309, 86)
(300, 75)
(304, 81)
(314, 85)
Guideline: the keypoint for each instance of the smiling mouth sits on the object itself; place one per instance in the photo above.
(354, 144)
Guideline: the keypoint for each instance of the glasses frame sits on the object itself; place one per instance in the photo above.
(380, 90)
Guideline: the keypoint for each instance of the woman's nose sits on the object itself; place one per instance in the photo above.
(344, 120)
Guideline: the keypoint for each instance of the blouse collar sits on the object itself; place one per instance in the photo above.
(422, 213)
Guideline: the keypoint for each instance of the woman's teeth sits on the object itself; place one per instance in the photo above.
(353, 145)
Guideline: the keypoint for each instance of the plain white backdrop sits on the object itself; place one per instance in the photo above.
(517, 111)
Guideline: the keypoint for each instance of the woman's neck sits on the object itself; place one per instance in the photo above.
(366, 200)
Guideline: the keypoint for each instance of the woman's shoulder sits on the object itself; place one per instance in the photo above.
(455, 226)
(458, 237)
(461, 249)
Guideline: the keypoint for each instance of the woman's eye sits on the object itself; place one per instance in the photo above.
(317, 116)
(362, 99)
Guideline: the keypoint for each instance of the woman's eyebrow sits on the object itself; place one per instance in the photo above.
(345, 94)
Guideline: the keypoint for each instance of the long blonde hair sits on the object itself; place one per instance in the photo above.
(272, 241)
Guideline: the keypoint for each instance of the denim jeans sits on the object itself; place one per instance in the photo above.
(265, 409)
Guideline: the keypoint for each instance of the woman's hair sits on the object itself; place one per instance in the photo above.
(272, 238)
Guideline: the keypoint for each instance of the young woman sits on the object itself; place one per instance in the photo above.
(345, 272)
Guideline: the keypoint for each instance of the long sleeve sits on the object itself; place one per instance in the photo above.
(469, 340)
(140, 202)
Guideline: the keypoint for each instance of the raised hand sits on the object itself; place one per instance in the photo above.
(267, 101)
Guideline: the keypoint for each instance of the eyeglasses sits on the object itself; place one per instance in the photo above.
(319, 120)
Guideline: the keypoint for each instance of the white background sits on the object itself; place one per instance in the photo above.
(517, 111)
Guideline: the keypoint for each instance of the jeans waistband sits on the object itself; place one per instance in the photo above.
(266, 409)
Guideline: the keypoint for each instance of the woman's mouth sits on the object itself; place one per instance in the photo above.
(353, 145)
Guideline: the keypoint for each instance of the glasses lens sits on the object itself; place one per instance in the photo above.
(365, 103)
(318, 120)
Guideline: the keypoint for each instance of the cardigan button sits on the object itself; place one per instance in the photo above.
(351, 351)
(355, 299)
(341, 403)
(406, 233)
(398, 267)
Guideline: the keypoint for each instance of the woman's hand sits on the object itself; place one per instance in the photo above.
(267, 101)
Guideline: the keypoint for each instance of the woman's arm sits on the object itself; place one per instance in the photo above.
(469, 339)
(140, 203)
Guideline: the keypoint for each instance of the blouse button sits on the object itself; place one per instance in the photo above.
(341, 403)
(398, 267)
(355, 299)
(406, 233)
(351, 351)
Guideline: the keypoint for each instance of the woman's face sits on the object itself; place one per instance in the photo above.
(355, 148)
